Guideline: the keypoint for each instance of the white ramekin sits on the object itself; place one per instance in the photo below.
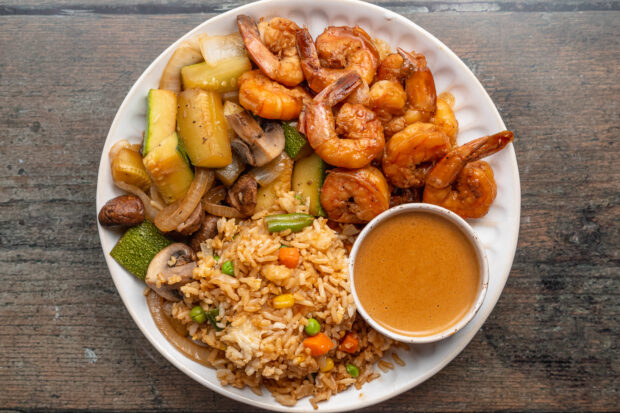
(469, 233)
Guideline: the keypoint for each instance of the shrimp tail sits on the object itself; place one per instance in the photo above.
(247, 27)
(310, 63)
(446, 170)
(420, 84)
(490, 145)
(339, 90)
(257, 50)
(412, 61)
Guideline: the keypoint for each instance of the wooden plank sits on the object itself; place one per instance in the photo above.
(66, 340)
(68, 7)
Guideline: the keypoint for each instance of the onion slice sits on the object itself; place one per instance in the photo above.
(186, 346)
(214, 49)
(268, 173)
(174, 214)
(211, 204)
(222, 210)
(186, 54)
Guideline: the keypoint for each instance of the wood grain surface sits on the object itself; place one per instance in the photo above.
(552, 342)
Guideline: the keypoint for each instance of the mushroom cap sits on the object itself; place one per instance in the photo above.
(170, 277)
(265, 143)
(270, 144)
(242, 195)
(243, 151)
(192, 223)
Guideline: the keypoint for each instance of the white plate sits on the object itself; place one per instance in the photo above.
(477, 116)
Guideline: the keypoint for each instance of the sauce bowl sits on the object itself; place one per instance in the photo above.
(470, 235)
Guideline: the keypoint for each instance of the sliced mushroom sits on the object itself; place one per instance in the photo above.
(270, 145)
(208, 230)
(245, 125)
(192, 223)
(242, 195)
(243, 151)
(264, 143)
(171, 268)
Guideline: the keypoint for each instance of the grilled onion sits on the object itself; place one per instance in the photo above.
(211, 204)
(174, 214)
(192, 350)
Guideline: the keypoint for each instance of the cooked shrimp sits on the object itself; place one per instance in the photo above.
(338, 50)
(269, 99)
(275, 52)
(420, 84)
(408, 70)
(392, 68)
(410, 154)
(445, 119)
(354, 138)
(360, 95)
(387, 98)
(354, 195)
(461, 182)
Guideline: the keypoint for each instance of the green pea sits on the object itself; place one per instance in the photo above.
(313, 327)
(198, 314)
(352, 370)
(228, 268)
(216, 257)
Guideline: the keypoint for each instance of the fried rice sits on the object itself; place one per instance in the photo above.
(258, 345)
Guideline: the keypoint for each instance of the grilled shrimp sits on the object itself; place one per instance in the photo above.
(338, 50)
(444, 116)
(269, 99)
(461, 182)
(272, 46)
(410, 154)
(392, 68)
(354, 195)
(419, 85)
(387, 98)
(360, 95)
(354, 138)
(408, 70)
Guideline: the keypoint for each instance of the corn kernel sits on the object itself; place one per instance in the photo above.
(325, 364)
(284, 301)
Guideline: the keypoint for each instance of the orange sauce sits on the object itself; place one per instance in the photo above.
(416, 274)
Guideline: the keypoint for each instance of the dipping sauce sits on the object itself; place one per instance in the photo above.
(417, 274)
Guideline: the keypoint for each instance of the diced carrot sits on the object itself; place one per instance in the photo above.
(318, 344)
(288, 257)
(349, 343)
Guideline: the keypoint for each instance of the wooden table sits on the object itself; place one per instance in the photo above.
(552, 68)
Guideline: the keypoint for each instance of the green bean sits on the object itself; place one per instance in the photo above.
(282, 222)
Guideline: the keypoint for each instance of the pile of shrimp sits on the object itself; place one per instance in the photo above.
(372, 114)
